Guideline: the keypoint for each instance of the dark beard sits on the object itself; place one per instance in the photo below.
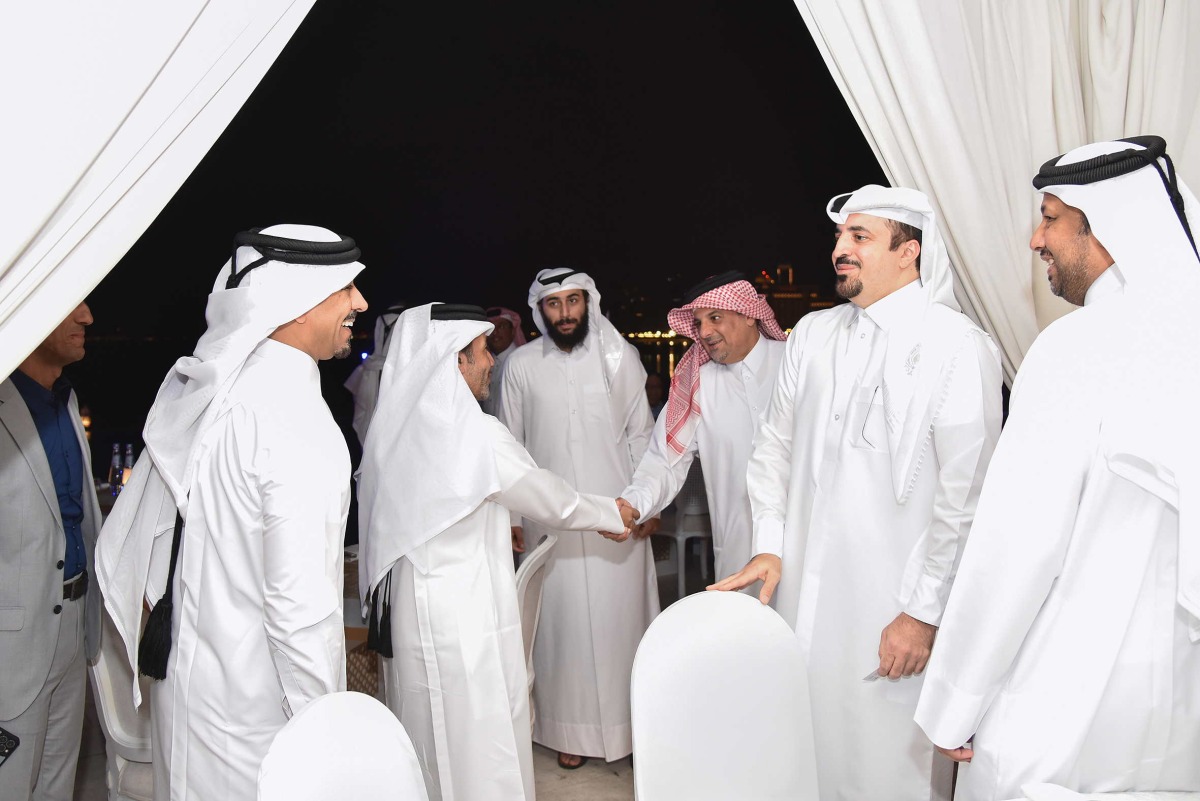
(848, 288)
(569, 341)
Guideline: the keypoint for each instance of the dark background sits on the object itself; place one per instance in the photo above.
(467, 145)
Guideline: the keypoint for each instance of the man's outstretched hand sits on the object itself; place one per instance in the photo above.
(764, 566)
(625, 510)
(518, 538)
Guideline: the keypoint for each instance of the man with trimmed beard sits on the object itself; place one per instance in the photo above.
(576, 400)
(863, 484)
(233, 521)
(1069, 653)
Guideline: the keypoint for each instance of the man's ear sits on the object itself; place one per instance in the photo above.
(461, 359)
(909, 252)
(302, 319)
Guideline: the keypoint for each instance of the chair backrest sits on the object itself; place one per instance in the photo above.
(720, 704)
(692, 498)
(342, 745)
(126, 729)
(530, 577)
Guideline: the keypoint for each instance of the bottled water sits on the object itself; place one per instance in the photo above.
(128, 464)
(115, 471)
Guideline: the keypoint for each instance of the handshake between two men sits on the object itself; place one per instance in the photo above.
(629, 517)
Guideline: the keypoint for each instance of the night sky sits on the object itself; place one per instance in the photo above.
(467, 145)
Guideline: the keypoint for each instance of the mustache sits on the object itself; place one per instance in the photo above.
(843, 260)
(566, 321)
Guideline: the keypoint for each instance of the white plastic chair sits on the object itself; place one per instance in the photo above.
(129, 773)
(531, 575)
(720, 705)
(691, 503)
(342, 745)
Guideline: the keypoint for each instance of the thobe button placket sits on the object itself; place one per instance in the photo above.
(837, 417)
(57, 608)
(61, 564)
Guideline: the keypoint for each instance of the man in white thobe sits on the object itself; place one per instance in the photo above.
(575, 400)
(232, 523)
(505, 338)
(363, 382)
(863, 483)
(439, 479)
(1070, 648)
(719, 392)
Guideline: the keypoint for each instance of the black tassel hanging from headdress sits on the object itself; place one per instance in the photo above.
(155, 646)
(379, 627)
(385, 620)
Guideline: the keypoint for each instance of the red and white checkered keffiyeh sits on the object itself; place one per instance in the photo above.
(497, 313)
(683, 411)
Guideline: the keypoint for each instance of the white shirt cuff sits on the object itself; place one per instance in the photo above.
(768, 537)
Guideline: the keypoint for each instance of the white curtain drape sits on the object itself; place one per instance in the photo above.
(107, 109)
(965, 99)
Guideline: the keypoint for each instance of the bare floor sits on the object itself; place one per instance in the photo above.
(596, 781)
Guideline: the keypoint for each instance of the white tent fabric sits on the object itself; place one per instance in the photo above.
(965, 99)
(108, 108)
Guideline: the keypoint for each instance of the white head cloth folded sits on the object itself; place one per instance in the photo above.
(188, 403)
(603, 338)
(683, 410)
(363, 383)
(1144, 236)
(911, 207)
(425, 464)
(1133, 217)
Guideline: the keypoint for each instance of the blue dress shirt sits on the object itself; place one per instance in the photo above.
(52, 417)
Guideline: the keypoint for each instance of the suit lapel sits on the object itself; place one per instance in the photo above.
(91, 504)
(15, 416)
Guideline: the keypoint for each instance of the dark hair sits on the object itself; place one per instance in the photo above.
(901, 233)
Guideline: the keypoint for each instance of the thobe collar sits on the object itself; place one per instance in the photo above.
(904, 306)
(504, 354)
(549, 346)
(292, 359)
(1109, 282)
(754, 360)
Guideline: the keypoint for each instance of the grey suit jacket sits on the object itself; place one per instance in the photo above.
(32, 549)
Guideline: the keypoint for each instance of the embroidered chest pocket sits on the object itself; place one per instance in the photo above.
(868, 424)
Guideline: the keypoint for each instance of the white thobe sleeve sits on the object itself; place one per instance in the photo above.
(964, 437)
(630, 391)
(770, 467)
(543, 497)
(303, 520)
(657, 481)
(510, 412)
(1017, 547)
